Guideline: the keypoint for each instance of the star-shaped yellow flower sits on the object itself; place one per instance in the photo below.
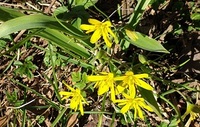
(99, 29)
(104, 83)
(75, 98)
(135, 103)
(131, 80)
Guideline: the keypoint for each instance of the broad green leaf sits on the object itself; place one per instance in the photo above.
(195, 16)
(149, 97)
(38, 21)
(64, 42)
(144, 42)
(76, 12)
(8, 13)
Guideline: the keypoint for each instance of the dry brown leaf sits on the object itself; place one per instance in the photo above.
(3, 120)
(73, 120)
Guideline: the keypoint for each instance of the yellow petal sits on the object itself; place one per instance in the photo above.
(112, 92)
(74, 103)
(96, 36)
(69, 87)
(141, 76)
(107, 23)
(65, 93)
(106, 38)
(132, 90)
(120, 101)
(119, 89)
(125, 108)
(90, 28)
(94, 21)
(144, 105)
(119, 78)
(93, 78)
(129, 73)
(81, 108)
(103, 88)
(139, 111)
(144, 85)
(126, 95)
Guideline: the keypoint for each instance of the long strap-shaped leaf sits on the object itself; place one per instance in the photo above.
(9, 13)
(37, 21)
(63, 42)
(139, 9)
(15, 21)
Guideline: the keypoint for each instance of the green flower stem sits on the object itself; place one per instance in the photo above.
(35, 92)
(63, 110)
(176, 110)
(101, 12)
(24, 118)
(55, 83)
(103, 108)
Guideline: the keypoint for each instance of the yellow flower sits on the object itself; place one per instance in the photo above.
(75, 98)
(130, 80)
(104, 83)
(193, 110)
(135, 103)
(99, 29)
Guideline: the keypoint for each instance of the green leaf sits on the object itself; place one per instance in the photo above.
(38, 21)
(77, 62)
(76, 76)
(149, 97)
(142, 59)
(18, 63)
(138, 12)
(145, 42)
(80, 85)
(2, 44)
(64, 42)
(8, 13)
(85, 3)
(84, 77)
(195, 16)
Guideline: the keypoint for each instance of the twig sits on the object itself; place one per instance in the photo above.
(22, 105)
(19, 35)
(48, 9)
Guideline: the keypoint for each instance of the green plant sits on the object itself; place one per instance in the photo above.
(110, 64)
(26, 67)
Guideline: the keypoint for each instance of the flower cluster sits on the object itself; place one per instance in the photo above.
(122, 89)
(125, 85)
